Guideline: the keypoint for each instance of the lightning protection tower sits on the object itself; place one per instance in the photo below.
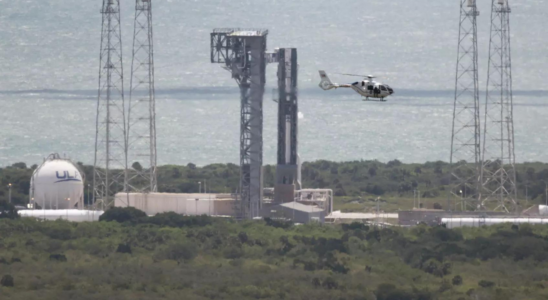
(242, 51)
(141, 141)
(498, 158)
(110, 162)
(465, 140)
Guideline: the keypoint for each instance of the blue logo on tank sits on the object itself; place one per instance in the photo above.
(67, 177)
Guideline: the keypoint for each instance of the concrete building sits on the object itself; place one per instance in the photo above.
(186, 204)
(322, 198)
(296, 212)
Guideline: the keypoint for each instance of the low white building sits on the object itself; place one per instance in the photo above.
(186, 204)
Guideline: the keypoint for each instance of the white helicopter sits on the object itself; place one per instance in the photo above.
(367, 88)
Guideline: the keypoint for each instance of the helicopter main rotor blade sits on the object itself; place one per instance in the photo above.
(356, 75)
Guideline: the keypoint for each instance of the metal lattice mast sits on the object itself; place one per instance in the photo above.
(109, 174)
(243, 53)
(465, 139)
(498, 169)
(142, 107)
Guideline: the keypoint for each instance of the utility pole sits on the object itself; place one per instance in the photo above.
(526, 194)
(9, 192)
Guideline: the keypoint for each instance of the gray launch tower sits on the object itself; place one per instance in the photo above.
(288, 169)
(242, 51)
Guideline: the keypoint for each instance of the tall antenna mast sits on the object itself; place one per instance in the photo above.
(498, 169)
(142, 105)
(110, 135)
(465, 138)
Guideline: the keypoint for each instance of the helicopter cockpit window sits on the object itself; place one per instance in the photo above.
(383, 88)
(363, 83)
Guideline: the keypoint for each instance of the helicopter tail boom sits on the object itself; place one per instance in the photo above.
(325, 83)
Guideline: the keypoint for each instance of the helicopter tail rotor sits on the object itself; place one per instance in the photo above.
(325, 83)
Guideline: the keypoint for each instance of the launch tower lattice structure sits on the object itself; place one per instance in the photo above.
(498, 170)
(465, 157)
(242, 51)
(141, 140)
(110, 138)
(287, 169)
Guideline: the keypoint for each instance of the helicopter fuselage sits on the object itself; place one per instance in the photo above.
(367, 88)
(372, 89)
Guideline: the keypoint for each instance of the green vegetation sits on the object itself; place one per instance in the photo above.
(169, 256)
(356, 184)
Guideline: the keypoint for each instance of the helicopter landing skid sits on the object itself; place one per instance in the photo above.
(373, 100)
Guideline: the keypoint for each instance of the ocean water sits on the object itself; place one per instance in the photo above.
(49, 53)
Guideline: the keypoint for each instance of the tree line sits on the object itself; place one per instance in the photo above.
(352, 179)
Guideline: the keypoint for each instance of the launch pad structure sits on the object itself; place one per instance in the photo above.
(242, 51)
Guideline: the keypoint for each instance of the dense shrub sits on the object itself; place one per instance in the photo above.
(278, 223)
(204, 258)
(7, 281)
(486, 283)
(122, 215)
(123, 248)
(172, 219)
(457, 280)
(8, 211)
(179, 251)
(388, 291)
(58, 257)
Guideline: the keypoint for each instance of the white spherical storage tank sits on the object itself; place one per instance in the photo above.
(57, 184)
